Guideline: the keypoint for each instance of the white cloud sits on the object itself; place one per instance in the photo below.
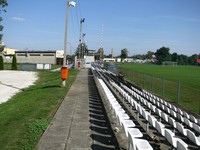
(18, 18)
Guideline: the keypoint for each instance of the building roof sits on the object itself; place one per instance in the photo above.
(35, 51)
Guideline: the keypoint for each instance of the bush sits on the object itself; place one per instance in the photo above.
(1, 63)
(14, 63)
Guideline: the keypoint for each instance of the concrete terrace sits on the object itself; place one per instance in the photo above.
(81, 122)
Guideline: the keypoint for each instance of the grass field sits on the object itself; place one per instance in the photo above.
(189, 76)
(25, 116)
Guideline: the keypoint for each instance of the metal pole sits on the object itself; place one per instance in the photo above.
(179, 89)
(81, 38)
(152, 87)
(65, 40)
(144, 80)
(163, 86)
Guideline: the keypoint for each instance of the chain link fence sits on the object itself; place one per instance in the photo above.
(174, 92)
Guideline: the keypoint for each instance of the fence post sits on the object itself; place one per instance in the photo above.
(179, 88)
(152, 85)
(163, 86)
(144, 80)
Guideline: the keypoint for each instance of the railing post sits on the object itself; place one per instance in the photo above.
(152, 87)
(179, 90)
(144, 80)
(163, 86)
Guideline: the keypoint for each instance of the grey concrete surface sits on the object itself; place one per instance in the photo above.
(12, 82)
(81, 122)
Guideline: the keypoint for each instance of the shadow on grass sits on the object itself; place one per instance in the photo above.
(52, 86)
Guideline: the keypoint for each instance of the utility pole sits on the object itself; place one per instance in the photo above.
(73, 4)
(80, 38)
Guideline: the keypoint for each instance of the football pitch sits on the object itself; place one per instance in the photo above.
(163, 81)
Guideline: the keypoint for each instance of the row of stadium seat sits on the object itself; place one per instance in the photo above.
(171, 116)
(160, 111)
(134, 134)
(152, 120)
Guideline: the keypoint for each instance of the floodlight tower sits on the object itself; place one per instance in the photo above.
(81, 37)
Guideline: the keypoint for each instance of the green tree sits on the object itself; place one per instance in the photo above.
(3, 4)
(174, 57)
(14, 63)
(149, 54)
(192, 60)
(162, 55)
(124, 53)
(81, 50)
(1, 63)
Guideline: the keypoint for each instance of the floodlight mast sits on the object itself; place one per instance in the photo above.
(80, 38)
(73, 4)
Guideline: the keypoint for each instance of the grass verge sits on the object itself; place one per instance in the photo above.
(24, 118)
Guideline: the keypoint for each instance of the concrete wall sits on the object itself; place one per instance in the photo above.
(36, 57)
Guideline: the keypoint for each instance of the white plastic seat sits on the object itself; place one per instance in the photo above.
(161, 101)
(141, 144)
(180, 117)
(198, 120)
(160, 128)
(180, 111)
(188, 122)
(134, 104)
(139, 109)
(152, 120)
(158, 112)
(173, 113)
(181, 128)
(132, 134)
(196, 127)
(185, 114)
(193, 138)
(127, 124)
(181, 145)
(121, 117)
(145, 114)
(157, 104)
(115, 106)
(164, 116)
(174, 108)
(162, 107)
(172, 122)
(167, 109)
(152, 107)
(148, 104)
(131, 101)
(169, 105)
(119, 110)
(193, 119)
(170, 136)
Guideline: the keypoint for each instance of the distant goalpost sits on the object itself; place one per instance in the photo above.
(170, 63)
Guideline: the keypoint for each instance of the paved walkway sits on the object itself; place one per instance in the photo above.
(81, 122)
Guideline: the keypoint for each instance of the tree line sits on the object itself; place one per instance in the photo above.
(163, 54)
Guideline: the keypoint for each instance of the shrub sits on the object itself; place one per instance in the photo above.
(14, 63)
(1, 63)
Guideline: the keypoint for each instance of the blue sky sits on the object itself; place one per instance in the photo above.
(138, 25)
